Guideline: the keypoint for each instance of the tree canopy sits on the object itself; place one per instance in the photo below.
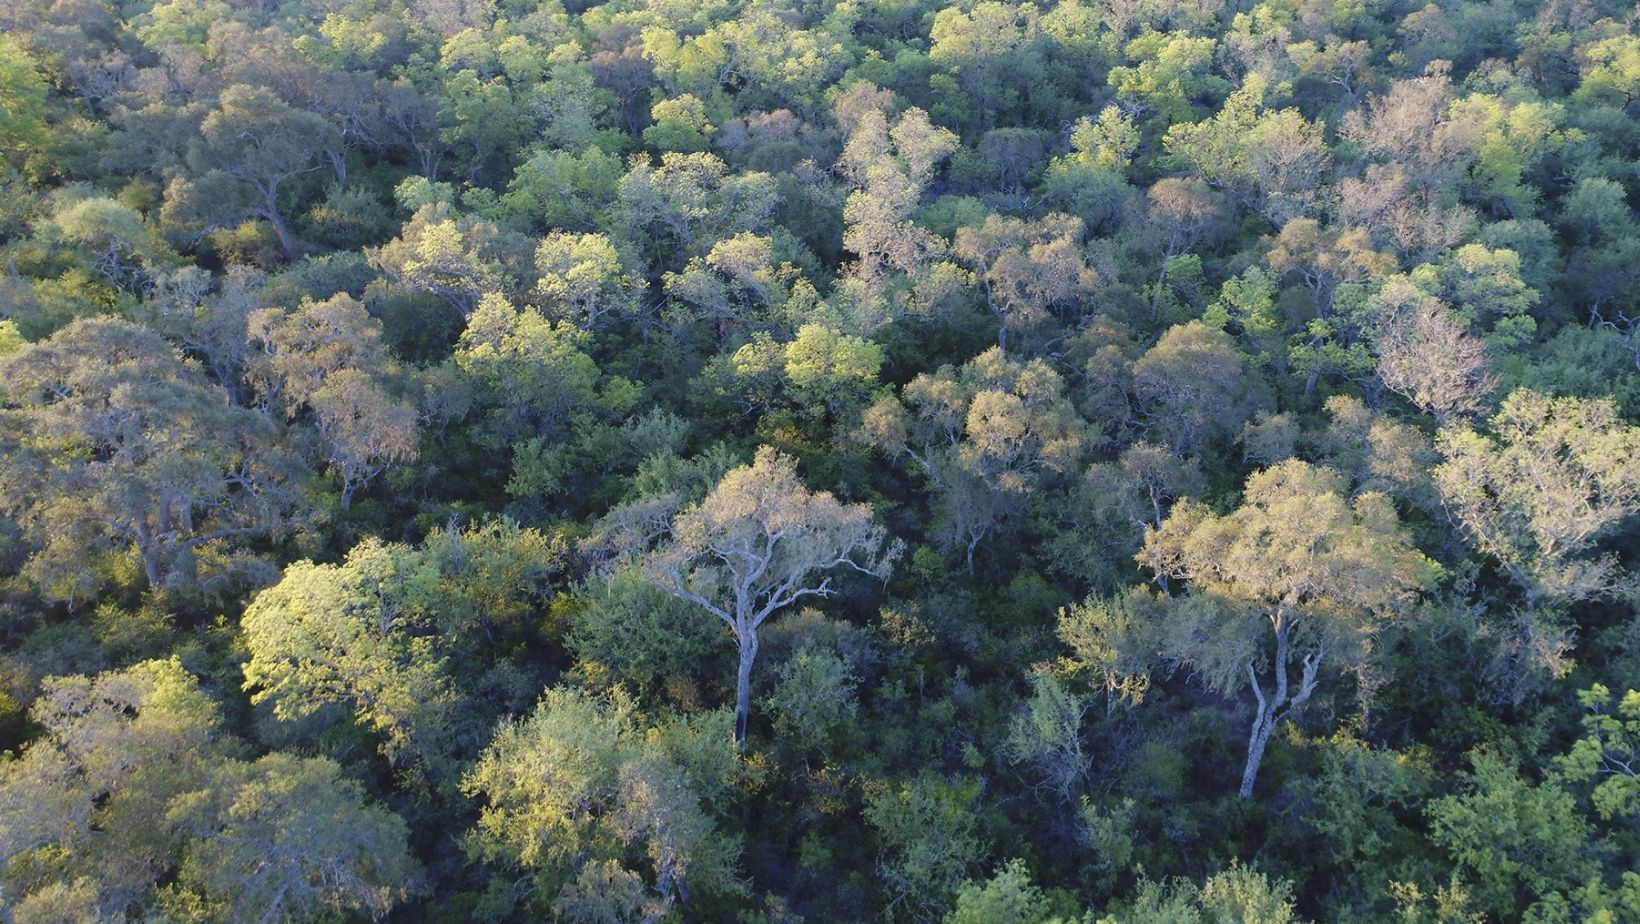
(1052, 462)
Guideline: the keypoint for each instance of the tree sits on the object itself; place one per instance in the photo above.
(1009, 897)
(22, 100)
(814, 696)
(1185, 212)
(735, 287)
(582, 280)
(1330, 262)
(531, 373)
(366, 428)
(684, 207)
(454, 257)
(144, 786)
(1170, 73)
(116, 444)
(927, 841)
(1512, 838)
(985, 435)
(1608, 754)
(1269, 160)
(1029, 271)
(407, 640)
(1235, 894)
(760, 542)
(258, 143)
(1426, 356)
(1046, 735)
(342, 634)
(114, 238)
(1103, 518)
(289, 838)
(988, 51)
(96, 787)
(598, 807)
(1417, 129)
(1089, 181)
(831, 371)
(1194, 388)
(1556, 477)
(327, 357)
(888, 163)
(1319, 571)
(209, 325)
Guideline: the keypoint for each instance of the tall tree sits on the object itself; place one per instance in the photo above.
(134, 802)
(1029, 271)
(759, 542)
(327, 358)
(1317, 571)
(1426, 356)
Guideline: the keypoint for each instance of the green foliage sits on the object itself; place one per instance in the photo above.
(141, 755)
(1606, 754)
(1515, 842)
(397, 635)
(814, 695)
(382, 365)
(927, 842)
(1236, 894)
(582, 782)
(1009, 897)
(22, 101)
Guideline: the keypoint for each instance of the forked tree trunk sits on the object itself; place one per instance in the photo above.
(1273, 709)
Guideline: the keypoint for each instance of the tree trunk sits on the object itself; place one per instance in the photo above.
(1263, 725)
(271, 213)
(151, 568)
(1156, 293)
(743, 685)
(1273, 710)
(1310, 383)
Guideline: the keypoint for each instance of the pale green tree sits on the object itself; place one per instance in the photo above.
(759, 542)
(117, 445)
(1299, 573)
(1237, 894)
(583, 280)
(22, 99)
(459, 258)
(1538, 494)
(598, 807)
(288, 838)
(340, 634)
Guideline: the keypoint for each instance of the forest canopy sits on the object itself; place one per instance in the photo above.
(773, 461)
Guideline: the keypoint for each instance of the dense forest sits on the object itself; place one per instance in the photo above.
(779, 461)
